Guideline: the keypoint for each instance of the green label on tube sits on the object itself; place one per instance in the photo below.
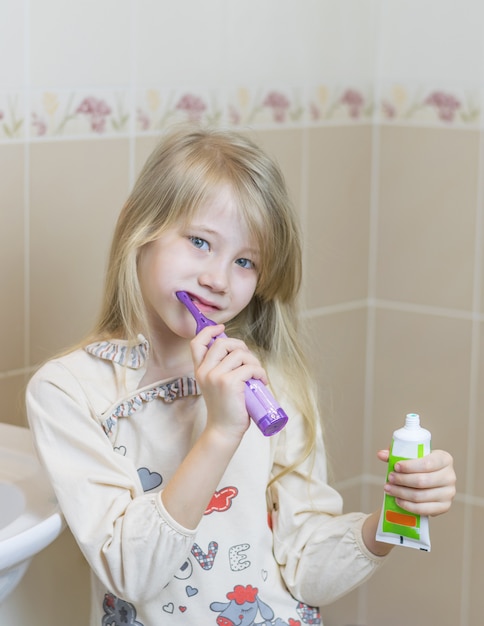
(395, 519)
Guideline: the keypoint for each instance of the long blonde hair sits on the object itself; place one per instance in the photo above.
(182, 173)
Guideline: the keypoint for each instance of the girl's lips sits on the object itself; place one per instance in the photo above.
(203, 305)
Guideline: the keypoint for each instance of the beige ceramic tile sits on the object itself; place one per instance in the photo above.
(77, 190)
(342, 612)
(338, 166)
(420, 588)
(427, 216)
(144, 146)
(12, 392)
(482, 303)
(478, 469)
(338, 354)
(476, 579)
(286, 147)
(480, 260)
(422, 365)
(12, 257)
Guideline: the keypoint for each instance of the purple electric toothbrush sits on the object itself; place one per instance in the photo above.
(260, 403)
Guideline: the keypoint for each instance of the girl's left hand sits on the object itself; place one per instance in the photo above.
(425, 486)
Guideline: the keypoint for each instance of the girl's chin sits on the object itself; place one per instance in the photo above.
(175, 331)
(185, 331)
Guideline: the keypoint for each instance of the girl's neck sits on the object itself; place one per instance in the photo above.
(167, 360)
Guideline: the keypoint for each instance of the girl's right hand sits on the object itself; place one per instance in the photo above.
(221, 370)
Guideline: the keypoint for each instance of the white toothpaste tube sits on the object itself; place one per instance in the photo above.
(396, 525)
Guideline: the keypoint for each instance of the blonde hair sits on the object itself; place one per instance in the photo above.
(182, 173)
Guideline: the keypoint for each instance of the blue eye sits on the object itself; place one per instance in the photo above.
(200, 243)
(245, 263)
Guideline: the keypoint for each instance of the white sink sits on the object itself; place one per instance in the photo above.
(29, 515)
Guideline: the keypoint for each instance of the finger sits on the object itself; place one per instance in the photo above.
(424, 480)
(200, 344)
(383, 455)
(232, 352)
(425, 502)
(436, 460)
(240, 364)
(430, 509)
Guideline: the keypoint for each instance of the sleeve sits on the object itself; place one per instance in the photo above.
(319, 549)
(128, 538)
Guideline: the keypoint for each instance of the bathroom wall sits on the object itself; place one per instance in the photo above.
(373, 109)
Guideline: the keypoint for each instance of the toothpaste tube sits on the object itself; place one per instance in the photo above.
(396, 525)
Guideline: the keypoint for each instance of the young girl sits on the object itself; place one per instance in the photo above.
(185, 512)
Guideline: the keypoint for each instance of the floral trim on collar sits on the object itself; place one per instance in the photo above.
(134, 357)
(168, 392)
(120, 352)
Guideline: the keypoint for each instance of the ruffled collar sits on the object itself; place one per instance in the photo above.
(121, 352)
(134, 356)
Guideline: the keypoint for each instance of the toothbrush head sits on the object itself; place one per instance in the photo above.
(198, 316)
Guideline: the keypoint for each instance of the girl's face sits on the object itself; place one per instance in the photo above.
(213, 258)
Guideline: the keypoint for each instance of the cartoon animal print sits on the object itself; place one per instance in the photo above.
(205, 560)
(118, 612)
(243, 607)
(221, 500)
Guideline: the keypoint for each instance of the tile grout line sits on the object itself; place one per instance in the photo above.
(303, 199)
(20, 371)
(394, 305)
(370, 347)
(27, 195)
(132, 95)
(473, 392)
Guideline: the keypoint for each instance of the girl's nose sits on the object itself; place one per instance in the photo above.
(215, 276)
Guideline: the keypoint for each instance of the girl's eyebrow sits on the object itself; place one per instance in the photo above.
(202, 228)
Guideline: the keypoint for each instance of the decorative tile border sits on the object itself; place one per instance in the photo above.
(12, 116)
(61, 114)
(156, 109)
(440, 106)
(69, 114)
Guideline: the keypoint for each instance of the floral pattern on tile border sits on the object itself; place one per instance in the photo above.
(12, 116)
(62, 114)
(430, 107)
(340, 104)
(155, 109)
(71, 114)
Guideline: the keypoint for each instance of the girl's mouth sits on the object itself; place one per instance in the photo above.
(203, 305)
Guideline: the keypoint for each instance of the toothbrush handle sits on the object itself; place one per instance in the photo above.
(261, 405)
(263, 408)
